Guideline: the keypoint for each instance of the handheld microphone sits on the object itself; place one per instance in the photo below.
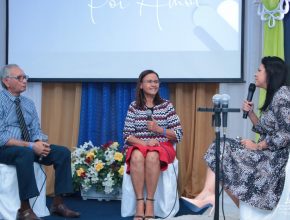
(225, 105)
(251, 91)
(149, 115)
(216, 99)
(45, 139)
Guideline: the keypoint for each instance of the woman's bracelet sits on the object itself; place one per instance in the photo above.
(164, 132)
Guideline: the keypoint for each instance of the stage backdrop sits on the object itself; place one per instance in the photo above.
(61, 105)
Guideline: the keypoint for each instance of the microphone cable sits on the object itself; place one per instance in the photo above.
(176, 192)
(41, 188)
(222, 175)
(225, 102)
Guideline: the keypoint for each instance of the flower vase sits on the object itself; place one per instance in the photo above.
(93, 194)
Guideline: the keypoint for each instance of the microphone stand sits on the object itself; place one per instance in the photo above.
(217, 123)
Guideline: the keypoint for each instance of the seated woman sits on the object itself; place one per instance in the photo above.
(151, 129)
(255, 172)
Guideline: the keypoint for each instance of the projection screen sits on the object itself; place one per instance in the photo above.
(114, 40)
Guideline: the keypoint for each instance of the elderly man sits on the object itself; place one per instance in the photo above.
(22, 143)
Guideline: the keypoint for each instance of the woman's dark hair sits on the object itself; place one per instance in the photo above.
(276, 76)
(140, 97)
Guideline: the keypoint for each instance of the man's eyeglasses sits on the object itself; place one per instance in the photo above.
(151, 81)
(20, 78)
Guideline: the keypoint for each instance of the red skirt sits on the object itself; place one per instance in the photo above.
(166, 153)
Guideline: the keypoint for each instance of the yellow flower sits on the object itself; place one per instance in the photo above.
(90, 155)
(121, 170)
(118, 156)
(80, 171)
(99, 166)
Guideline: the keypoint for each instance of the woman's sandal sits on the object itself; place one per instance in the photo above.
(139, 217)
(147, 217)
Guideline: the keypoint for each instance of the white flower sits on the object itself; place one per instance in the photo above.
(108, 183)
(109, 155)
(115, 145)
(96, 167)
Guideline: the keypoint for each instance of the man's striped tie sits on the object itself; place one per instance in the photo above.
(23, 127)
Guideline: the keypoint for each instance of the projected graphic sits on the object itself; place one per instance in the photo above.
(107, 39)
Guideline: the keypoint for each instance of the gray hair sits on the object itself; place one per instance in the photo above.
(5, 72)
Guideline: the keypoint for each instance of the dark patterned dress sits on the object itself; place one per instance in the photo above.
(257, 177)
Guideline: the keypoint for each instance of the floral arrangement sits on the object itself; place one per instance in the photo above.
(99, 167)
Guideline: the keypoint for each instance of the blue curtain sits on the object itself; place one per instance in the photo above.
(287, 41)
(103, 110)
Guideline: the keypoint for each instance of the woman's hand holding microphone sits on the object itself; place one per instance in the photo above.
(154, 127)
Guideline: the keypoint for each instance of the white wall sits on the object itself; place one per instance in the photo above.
(252, 56)
(237, 91)
(34, 91)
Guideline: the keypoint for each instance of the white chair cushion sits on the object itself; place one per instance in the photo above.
(166, 196)
(280, 212)
(9, 195)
